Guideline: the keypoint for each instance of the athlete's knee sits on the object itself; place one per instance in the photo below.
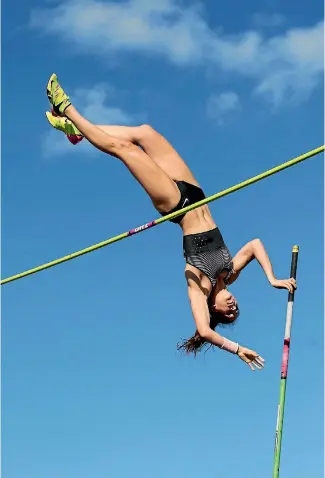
(147, 132)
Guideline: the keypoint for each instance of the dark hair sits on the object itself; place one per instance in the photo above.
(196, 343)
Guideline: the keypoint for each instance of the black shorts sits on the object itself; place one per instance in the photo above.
(190, 194)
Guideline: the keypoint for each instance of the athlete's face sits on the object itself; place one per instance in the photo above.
(226, 304)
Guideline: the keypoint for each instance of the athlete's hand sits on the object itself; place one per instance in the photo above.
(251, 358)
(289, 284)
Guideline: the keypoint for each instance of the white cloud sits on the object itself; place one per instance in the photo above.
(92, 101)
(285, 66)
(218, 106)
(92, 104)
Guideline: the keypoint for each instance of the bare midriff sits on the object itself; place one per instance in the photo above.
(198, 220)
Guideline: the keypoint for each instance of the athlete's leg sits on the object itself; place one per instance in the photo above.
(153, 143)
(129, 133)
(160, 187)
(157, 147)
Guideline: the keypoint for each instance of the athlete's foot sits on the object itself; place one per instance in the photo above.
(66, 126)
(56, 95)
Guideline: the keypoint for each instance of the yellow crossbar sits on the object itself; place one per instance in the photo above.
(219, 195)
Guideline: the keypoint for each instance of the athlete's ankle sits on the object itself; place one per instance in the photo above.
(69, 110)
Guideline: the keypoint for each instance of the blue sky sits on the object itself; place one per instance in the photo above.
(92, 383)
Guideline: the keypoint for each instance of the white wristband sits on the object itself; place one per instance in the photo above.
(230, 346)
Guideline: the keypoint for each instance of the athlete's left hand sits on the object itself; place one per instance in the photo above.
(251, 357)
(289, 284)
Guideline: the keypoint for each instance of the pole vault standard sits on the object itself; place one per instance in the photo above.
(284, 368)
(144, 227)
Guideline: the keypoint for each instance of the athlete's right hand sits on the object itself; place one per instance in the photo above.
(251, 358)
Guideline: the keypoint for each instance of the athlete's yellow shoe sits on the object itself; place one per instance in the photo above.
(56, 95)
(66, 126)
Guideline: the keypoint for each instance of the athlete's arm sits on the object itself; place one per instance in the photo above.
(198, 299)
(252, 250)
(201, 316)
(256, 250)
(202, 319)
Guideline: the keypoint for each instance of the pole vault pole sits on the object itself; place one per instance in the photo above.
(284, 368)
